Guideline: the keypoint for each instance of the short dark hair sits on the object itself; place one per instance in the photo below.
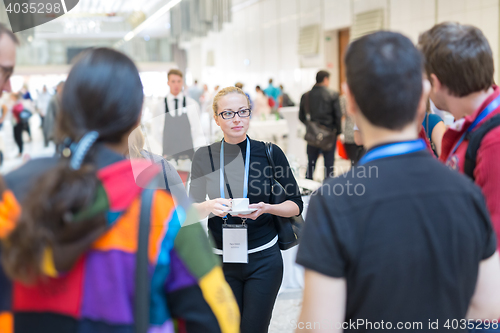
(8, 32)
(175, 72)
(270, 81)
(460, 56)
(384, 74)
(320, 77)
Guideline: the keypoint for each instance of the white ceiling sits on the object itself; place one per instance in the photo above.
(109, 19)
(116, 6)
(104, 19)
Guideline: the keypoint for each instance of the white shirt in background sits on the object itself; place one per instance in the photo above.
(192, 110)
(42, 103)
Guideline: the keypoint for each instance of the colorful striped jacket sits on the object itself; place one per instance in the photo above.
(188, 289)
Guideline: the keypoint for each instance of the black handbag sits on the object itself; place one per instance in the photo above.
(317, 135)
(289, 228)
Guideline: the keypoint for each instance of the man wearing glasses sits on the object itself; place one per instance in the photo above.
(8, 42)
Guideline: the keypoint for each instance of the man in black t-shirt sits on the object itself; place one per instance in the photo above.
(399, 242)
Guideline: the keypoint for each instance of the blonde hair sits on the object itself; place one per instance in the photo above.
(224, 92)
(136, 143)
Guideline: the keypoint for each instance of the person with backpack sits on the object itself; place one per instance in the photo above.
(92, 250)
(21, 121)
(400, 242)
(459, 65)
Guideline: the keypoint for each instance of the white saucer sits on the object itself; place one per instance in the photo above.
(242, 212)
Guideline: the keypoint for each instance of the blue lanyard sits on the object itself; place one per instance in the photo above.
(393, 149)
(489, 109)
(247, 170)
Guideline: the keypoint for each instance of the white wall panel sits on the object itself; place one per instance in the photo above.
(266, 33)
(337, 14)
(367, 5)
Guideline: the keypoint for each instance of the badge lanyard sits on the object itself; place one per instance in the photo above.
(234, 236)
(394, 149)
(489, 109)
(247, 171)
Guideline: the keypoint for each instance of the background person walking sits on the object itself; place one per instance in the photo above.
(323, 107)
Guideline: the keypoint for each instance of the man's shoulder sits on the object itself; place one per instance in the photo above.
(402, 175)
(492, 139)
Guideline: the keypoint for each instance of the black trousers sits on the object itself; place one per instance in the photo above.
(18, 136)
(26, 127)
(312, 156)
(255, 286)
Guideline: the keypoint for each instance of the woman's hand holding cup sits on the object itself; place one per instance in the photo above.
(220, 207)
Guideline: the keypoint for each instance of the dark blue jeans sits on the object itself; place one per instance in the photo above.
(312, 156)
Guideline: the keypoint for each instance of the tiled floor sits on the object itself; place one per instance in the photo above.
(286, 311)
(32, 149)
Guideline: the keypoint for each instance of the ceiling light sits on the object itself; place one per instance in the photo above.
(163, 10)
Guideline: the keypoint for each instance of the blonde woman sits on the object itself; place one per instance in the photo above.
(252, 261)
(171, 181)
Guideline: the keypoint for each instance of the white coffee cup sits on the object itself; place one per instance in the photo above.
(240, 204)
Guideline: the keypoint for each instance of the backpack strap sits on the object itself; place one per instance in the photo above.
(475, 139)
(167, 187)
(142, 284)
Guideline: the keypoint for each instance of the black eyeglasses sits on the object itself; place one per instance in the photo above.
(245, 113)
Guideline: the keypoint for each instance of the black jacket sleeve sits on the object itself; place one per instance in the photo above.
(302, 111)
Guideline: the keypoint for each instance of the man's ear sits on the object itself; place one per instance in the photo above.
(424, 99)
(351, 106)
(436, 85)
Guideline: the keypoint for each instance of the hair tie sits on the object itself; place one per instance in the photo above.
(82, 149)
